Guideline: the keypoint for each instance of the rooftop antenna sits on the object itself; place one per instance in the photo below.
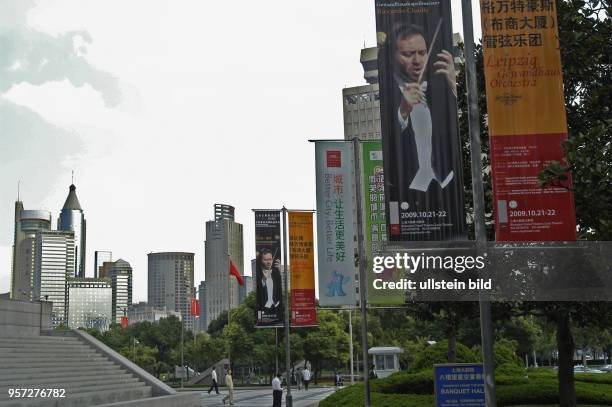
(18, 189)
(72, 181)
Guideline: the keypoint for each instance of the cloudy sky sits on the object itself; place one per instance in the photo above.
(163, 108)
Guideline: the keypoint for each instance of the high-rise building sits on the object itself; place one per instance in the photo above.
(101, 257)
(90, 303)
(361, 104)
(72, 218)
(120, 276)
(27, 223)
(142, 312)
(170, 284)
(245, 290)
(54, 263)
(223, 241)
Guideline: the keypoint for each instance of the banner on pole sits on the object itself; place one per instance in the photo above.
(301, 258)
(335, 223)
(421, 146)
(195, 307)
(124, 322)
(268, 280)
(375, 227)
(527, 122)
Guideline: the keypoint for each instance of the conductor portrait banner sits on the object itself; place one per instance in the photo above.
(421, 146)
(268, 278)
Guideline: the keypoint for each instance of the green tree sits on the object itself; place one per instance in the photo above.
(327, 344)
(585, 29)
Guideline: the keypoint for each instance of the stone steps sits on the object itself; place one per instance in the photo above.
(54, 381)
(91, 398)
(88, 377)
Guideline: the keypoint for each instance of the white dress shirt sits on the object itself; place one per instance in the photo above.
(276, 384)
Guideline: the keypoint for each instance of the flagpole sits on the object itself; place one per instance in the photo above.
(229, 308)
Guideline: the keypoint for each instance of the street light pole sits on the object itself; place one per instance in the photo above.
(288, 397)
(362, 274)
(350, 312)
(182, 351)
(486, 324)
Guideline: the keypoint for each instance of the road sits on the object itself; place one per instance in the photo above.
(263, 397)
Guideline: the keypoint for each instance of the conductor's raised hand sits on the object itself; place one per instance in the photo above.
(445, 65)
(412, 94)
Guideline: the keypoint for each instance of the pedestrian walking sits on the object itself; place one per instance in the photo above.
(230, 388)
(277, 391)
(213, 382)
(306, 375)
(298, 378)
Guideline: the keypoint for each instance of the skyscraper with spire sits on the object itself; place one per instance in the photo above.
(72, 218)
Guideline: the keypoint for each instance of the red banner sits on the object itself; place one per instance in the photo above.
(124, 322)
(195, 307)
(524, 211)
(301, 257)
(526, 117)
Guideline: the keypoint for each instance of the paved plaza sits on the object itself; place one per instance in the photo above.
(261, 397)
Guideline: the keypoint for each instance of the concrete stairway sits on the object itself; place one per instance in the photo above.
(88, 377)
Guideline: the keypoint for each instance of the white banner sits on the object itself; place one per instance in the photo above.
(336, 245)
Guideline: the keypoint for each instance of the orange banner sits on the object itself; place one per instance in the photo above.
(526, 118)
(301, 259)
(522, 67)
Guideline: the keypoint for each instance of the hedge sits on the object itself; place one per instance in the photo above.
(541, 390)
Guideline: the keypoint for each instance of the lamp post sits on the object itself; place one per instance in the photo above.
(134, 342)
(182, 351)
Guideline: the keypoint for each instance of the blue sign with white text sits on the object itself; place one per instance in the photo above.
(459, 385)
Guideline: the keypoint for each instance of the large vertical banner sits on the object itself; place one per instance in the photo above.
(421, 148)
(335, 231)
(375, 234)
(268, 278)
(527, 122)
(301, 258)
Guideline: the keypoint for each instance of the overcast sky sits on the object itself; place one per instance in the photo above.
(163, 108)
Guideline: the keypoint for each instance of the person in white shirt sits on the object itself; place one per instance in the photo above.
(306, 375)
(213, 384)
(277, 391)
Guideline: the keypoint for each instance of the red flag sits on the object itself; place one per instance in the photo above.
(195, 307)
(234, 271)
(124, 322)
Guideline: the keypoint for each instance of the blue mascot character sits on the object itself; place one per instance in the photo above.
(334, 288)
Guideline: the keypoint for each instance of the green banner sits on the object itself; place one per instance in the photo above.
(375, 233)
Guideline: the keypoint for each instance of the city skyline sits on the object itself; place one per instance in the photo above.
(142, 116)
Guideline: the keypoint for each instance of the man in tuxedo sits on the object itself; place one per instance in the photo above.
(269, 290)
(425, 98)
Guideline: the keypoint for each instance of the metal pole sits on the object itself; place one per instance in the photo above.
(486, 329)
(182, 351)
(134, 349)
(362, 274)
(351, 344)
(276, 350)
(288, 398)
(229, 308)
